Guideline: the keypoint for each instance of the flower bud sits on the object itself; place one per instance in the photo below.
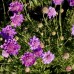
(41, 45)
(62, 10)
(27, 70)
(61, 37)
(45, 10)
(66, 56)
(53, 33)
(40, 25)
(68, 68)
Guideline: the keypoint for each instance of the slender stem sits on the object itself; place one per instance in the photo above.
(60, 21)
(4, 12)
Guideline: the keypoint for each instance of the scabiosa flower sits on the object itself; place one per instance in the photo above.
(16, 6)
(47, 57)
(28, 59)
(16, 19)
(71, 2)
(57, 2)
(11, 46)
(8, 32)
(52, 12)
(5, 54)
(38, 52)
(34, 43)
(72, 30)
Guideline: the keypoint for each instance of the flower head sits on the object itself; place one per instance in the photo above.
(5, 54)
(28, 59)
(71, 2)
(47, 57)
(57, 2)
(8, 32)
(34, 43)
(16, 19)
(16, 6)
(38, 52)
(11, 46)
(52, 12)
(72, 30)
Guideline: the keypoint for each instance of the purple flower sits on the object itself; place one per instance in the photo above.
(16, 19)
(71, 2)
(72, 30)
(58, 2)
(5, 54)
(11, 46)
(34, 43)
(47, 57)
(52, 12)
(28, 59)
(8, 32)
(38, 52)
(16, 6)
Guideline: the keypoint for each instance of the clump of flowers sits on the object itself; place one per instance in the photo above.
(11, 46)
(47, 57)
(16, 19)
(52, 12)
(28, 59)
(8, 32)
(16, 6)
(58, 2)
(34, 43)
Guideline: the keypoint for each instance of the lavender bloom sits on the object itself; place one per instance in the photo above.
(47, 57)
(52, 12)
(16, 6)
(5, 54)
(11, 46)
(8, 32)
(71, 2)
(16, 19)
(57, 2)
(28, 59)
(72, 30)
(38, 52)
(34, 43)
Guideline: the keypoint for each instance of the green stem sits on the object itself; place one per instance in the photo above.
(60, 21)
(4, 12)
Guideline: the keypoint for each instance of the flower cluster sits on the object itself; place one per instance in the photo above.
(17, 18)
(29, 58)
(10, 45)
